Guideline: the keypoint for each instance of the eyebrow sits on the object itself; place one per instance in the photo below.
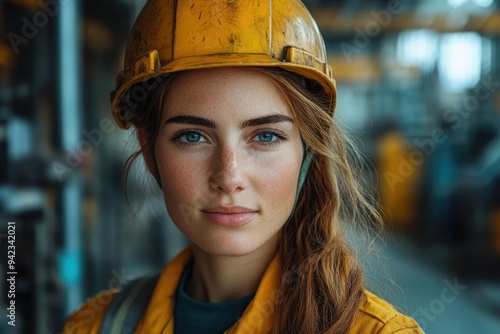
(194, 120)
(277, 118)
(183, 119)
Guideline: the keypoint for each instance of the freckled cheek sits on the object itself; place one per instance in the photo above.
(279, 182)
(182, 182)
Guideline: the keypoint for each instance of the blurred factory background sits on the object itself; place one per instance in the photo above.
(419, 90)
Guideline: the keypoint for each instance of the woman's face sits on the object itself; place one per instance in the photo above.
(229, 156)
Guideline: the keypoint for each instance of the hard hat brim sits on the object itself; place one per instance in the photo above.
(210, 61)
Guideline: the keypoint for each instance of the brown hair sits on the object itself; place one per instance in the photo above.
(322, 279)
(327, 284)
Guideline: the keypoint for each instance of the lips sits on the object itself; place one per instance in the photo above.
(230, 216)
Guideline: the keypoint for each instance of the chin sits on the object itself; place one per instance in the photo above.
(231, 249)
(230, 245)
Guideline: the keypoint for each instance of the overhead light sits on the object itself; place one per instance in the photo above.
(456, 3)
(484, 3)
(418, 48)
(460, 61)
(480, 3)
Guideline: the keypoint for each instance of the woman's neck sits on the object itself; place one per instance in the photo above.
(216, 278)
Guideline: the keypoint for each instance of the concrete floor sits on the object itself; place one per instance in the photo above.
(441, 301)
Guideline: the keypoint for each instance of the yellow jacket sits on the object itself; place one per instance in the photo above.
(374, 315)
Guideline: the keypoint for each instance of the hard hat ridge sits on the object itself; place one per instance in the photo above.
(172, 36)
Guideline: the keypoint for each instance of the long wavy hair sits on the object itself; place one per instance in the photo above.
(322, 280)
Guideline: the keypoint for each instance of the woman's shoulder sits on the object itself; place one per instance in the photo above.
(88, 318)
(376, 315)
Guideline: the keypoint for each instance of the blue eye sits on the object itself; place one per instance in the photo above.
(269, 137)
(191, 137)
(266, 137)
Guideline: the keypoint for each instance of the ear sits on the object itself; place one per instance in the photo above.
(148, 154)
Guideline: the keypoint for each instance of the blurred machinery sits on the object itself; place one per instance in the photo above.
(419, 87)
(43, 157)
(27, 189)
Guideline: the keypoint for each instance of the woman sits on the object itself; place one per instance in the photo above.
(233, 103)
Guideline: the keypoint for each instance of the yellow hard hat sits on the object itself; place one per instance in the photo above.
(177, 35)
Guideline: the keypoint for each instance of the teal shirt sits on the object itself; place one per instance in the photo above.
(194, 317)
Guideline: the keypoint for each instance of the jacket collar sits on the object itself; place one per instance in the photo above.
(257, 318)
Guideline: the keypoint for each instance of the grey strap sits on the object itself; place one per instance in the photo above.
(128, 306)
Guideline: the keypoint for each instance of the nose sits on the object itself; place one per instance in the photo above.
(227, 174)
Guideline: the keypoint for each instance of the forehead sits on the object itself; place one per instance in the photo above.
(228, 89)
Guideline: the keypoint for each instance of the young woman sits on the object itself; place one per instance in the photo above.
(233, 105)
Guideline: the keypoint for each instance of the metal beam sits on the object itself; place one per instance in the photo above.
(70, 119)
(333, 22)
